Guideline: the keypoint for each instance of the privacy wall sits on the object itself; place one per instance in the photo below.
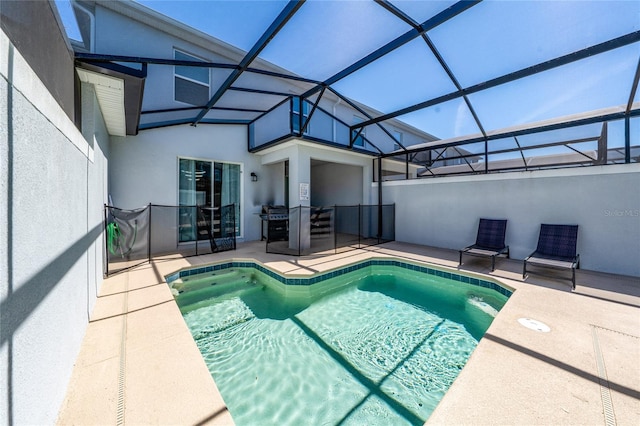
(52, 185)
(603, 201)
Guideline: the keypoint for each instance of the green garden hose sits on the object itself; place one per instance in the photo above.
(115, 239)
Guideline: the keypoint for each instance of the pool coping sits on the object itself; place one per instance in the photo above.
(306, 280)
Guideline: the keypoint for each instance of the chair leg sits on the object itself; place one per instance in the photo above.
(493, 263)
(573, 278)
(524, 270)
(460, 262)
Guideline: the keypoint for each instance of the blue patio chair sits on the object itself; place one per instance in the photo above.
(489, 242)
(556, 249)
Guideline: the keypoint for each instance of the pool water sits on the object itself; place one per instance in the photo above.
(380, 345)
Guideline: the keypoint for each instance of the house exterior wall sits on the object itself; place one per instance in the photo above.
(358, 169)
(336, 184)
(51, 238)
(144, 168)
(121, 32)
(120, 35)
(603, 201)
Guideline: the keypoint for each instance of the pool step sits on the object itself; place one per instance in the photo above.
(195, 282)
(196, 298)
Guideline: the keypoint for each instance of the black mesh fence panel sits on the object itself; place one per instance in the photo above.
(317, 230)
(347, 227)
(127, 238)
(136, 236)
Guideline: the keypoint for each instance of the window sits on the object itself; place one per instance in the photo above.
(295, 115)
(191, 84)
(206, 184)
(363, 134)
(397, 135)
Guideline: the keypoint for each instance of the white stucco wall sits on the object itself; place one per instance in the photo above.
(51, 240)
(297, 151)
(144, 168)
(603, 201)
(336, 184)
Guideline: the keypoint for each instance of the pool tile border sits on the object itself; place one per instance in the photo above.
(305, 281)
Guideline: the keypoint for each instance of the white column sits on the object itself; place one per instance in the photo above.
(299, 195)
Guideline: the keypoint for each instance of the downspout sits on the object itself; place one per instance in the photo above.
(335, 124)
(92, 25)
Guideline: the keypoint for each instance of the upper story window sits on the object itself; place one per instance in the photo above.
(191, 84)
(360, 139)
(398, 137)
(295, 115)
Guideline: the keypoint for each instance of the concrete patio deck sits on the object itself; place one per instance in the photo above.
(139, 364)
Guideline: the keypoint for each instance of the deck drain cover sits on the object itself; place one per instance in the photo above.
(534, 325)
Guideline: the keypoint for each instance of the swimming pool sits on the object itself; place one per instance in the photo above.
(378, 342)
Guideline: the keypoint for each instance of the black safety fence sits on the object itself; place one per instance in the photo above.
(302, 230)
(134, 237)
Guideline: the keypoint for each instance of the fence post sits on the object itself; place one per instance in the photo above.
(197, 216)
(380, 196)
(106, 242)
(149, 236)
(299, 224)
(359, 223)
(335, 229)
(627, 139)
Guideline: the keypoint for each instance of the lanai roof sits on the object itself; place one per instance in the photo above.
(455, 70)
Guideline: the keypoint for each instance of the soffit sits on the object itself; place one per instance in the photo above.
(110, 93)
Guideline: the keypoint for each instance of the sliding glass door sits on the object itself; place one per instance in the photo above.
(210, 185)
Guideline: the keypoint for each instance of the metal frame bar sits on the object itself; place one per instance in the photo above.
(366, 114)
(333, 117)
(259, 91)
(627, 120)
(543, 128)
(520, 149)
(101, 58)
(603, 144)
(287, 13)
(627, 139)
(634, 88)
(353, 137)
(313, 109)
(159, 111)
(93, 58)
(302, 136)
(427, 25)
(281, 75)
(271, 109)
(525, 72)
(524, 160)
(407, 19)
(179, 122)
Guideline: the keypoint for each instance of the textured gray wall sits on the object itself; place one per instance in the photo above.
(53, 188)
(603, 201)
(33, 28)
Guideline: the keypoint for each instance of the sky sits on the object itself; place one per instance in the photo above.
(313, 44)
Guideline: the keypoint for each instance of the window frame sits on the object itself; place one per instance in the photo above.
(397, 134)
(305, 106)
(212, 162)
(185, 78)
(357, 120)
